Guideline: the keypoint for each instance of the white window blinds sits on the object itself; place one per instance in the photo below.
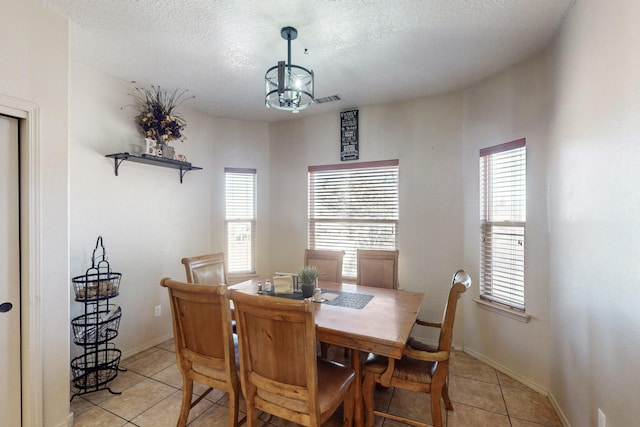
(353, 206)
(240, 220)
(503, 195)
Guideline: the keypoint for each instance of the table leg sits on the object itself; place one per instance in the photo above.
(356, 364)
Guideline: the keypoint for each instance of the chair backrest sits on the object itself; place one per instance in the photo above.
(329, 263)
(278, 366)
(208, 269)
(459, 285)
(377, 268)
(202, 330)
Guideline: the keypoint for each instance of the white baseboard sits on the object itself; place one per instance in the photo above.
(509, 372)
(561, 415)
(145, 346)
(542, 390)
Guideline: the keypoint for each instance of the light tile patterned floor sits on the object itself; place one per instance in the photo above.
(151, 396)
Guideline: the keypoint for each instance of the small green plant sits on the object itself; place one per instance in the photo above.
(308, 275)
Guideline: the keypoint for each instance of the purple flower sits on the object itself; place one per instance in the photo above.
(158, 117)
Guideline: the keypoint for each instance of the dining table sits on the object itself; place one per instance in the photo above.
(362, 318)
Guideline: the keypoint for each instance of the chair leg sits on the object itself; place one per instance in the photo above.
(348, 408)
(324, 350)
(445, 397)
(252, 413)
(368, 385)
(436, 409)
(187, 394)
(234, 401)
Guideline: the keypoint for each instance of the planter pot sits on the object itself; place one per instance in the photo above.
(307, 289)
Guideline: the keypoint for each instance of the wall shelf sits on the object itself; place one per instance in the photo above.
(183, 167)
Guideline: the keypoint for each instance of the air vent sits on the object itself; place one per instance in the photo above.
(326, 99)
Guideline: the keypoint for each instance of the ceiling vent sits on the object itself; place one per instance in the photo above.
(326, 99)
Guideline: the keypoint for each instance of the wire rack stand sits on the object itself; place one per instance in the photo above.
(97, 326)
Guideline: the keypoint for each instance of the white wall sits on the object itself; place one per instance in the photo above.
(147, 219)
(34, 58)
(426, 136)
(511, 105)
(578, 107)
(594, 211)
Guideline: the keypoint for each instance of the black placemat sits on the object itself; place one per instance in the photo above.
(344, 299)
(348, 299)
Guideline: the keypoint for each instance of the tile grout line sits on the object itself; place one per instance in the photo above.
(99, 405)
(504, 401)
(216, 403)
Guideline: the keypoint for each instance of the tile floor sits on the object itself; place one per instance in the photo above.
(151, 396)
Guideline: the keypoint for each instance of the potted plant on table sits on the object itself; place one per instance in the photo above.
(308, 277)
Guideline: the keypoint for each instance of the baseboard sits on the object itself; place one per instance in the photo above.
(542, 390)
(509, 372)
(556, 407)
(145, 346)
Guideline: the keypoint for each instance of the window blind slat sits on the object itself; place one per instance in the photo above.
(240, 220)
(502, 217)
(351, 208)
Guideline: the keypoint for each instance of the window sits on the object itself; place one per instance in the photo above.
(240, 220)
(503, 195)
(353, 206)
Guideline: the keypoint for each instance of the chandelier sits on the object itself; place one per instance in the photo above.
(288, 87)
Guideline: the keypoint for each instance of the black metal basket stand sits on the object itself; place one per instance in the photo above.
(97, 326)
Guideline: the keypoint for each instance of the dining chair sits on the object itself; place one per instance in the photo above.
(210, 269)
(279, 369)
(421, 369)
(329, 262)
(377, 268)
(205, 350)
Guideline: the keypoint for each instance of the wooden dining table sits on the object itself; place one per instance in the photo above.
(382, 326)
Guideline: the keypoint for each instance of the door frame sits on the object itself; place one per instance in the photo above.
(28, 115)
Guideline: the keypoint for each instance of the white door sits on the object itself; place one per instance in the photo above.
(10, 376)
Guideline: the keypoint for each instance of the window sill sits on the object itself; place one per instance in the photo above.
(234, 279)
(505, 311)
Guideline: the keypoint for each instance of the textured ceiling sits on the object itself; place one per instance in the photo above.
(367, 52)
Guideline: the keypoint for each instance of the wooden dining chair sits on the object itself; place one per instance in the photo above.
(377, 268)
(279, 369)
(421, 369)
(205, 350)
(329, 262)
(210, 269)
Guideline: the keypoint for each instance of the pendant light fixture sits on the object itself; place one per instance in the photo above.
(288, 87)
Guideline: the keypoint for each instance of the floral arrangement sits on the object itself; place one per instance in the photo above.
(158, 117)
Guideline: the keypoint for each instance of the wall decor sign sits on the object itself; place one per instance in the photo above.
(349, 147)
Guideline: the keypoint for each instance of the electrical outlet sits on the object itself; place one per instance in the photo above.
(158, 311)
(602, 418)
